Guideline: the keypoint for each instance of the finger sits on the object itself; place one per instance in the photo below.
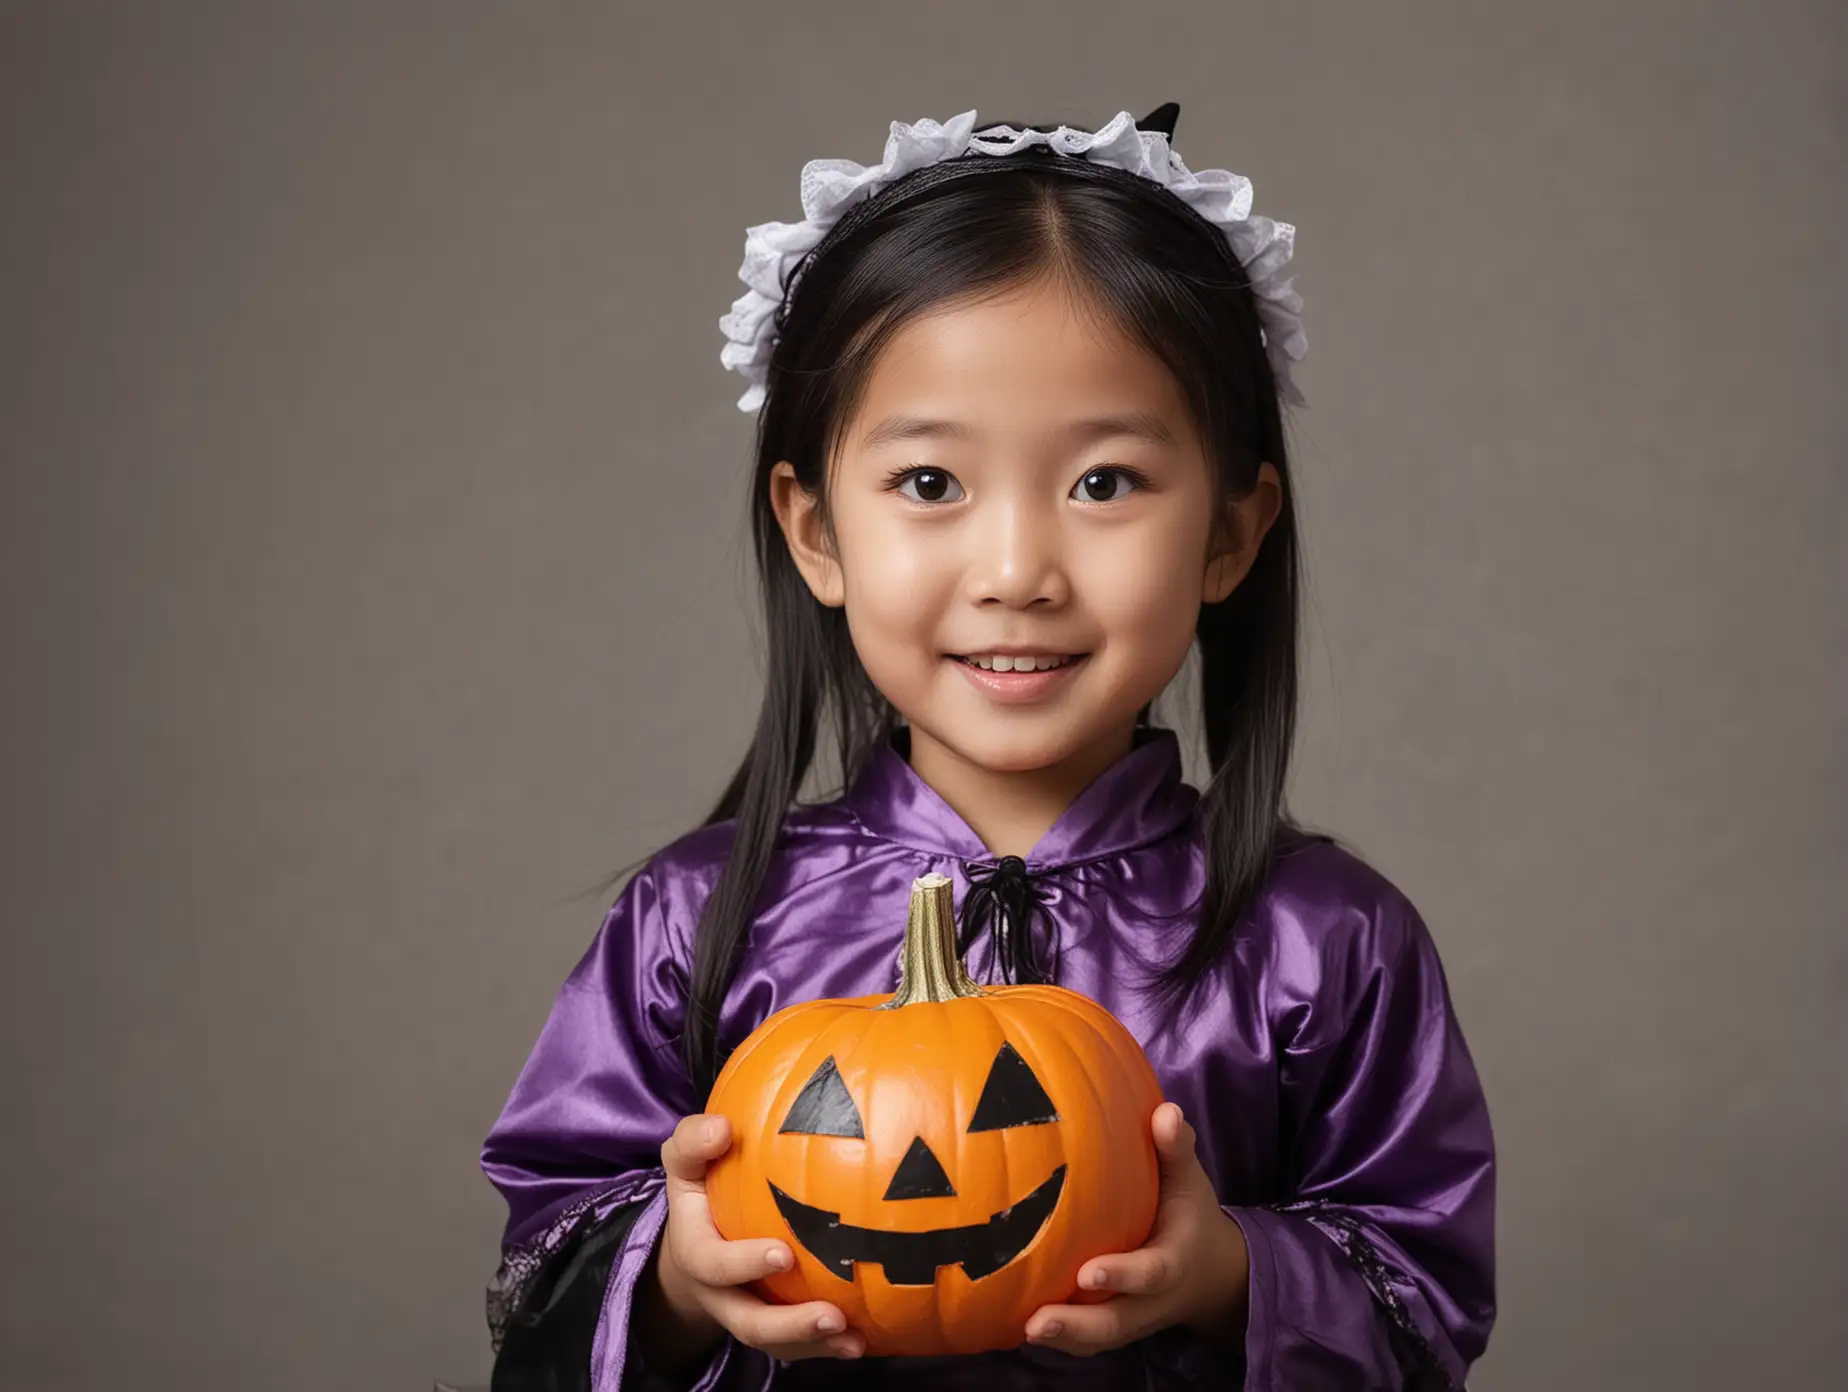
(697, 1141)
(1147, 1271)
(712, 1261)
(1174, 1147)
(1089, 1329)
(1174, 1136)
(848, 1345)
(813, 1330)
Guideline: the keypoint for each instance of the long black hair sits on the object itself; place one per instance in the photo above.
(964, 228)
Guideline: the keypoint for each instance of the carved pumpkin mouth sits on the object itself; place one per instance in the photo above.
(912, 1259)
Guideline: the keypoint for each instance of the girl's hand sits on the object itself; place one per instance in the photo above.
(1194, 1271)
(697, 1272)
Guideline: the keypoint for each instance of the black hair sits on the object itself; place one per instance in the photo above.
(965, 228)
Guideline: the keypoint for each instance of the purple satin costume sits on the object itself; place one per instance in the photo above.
(1337, 1108)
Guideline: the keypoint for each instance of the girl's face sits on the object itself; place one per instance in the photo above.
(1021, 486)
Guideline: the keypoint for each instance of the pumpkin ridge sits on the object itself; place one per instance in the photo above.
(1076, 1060)
(1081, 1007)
(994, 1017)
(739, 1056)
(739, 1059)
(1079, 1059)
(759, 1036)
(844, 1036)
(1129, 1081)
(1108, 1047)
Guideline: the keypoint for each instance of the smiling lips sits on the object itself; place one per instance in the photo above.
(1018, 677)
(912, 1259)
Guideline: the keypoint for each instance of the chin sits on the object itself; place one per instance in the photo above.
(1016, 746)
(1013, 755)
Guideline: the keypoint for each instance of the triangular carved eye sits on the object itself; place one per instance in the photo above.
(1012, 1096)
(823, 1107)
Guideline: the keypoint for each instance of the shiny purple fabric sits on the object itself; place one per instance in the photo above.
(1337, 1107)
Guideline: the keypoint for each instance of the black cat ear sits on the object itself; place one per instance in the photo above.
(1162, 119)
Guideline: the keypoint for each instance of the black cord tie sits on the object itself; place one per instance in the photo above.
(1003, 898)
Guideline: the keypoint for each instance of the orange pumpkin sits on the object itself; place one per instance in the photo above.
(942, 1160)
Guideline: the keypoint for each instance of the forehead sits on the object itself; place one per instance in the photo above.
(1037, 360)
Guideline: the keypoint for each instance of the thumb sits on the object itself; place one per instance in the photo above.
(1174, 1148)
(696, 1141)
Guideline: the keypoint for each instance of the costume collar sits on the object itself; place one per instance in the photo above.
(1138, 799)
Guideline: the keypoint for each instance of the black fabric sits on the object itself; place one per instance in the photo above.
(547, 1343)
(1162, 119)
(1427, 1373)
(1003, 899)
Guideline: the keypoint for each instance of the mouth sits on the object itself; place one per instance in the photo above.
(1025, 663)
(912, 1259)
(1018, 678)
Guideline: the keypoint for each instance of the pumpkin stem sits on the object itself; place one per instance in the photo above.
(932, 969)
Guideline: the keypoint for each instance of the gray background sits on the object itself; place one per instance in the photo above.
(374, 584)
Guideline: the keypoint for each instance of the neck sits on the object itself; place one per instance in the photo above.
(1012, 809)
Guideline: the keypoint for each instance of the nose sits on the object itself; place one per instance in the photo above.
(1019, 559)
(920, 1176)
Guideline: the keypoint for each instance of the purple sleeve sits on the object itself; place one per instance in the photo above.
(1379, 1270)
(581, 1135)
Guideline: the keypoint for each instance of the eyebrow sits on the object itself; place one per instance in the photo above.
(1140, 425)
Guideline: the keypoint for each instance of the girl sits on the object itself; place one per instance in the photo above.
(1021, 447)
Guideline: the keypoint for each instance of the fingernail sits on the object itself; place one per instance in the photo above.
(845, 1351)
(1051, 1329)
(712, 1132)
(1097, 1280)
(830, 1324)
(777, 1259)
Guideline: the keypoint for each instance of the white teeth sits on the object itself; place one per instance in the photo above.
(1003, 663)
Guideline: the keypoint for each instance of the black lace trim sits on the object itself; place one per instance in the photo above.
(1430, 1375)
(546, 1325)
(521, 1266)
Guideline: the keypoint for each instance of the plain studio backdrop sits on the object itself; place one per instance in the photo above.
(375, 584)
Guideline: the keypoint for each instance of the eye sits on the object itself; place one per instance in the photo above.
(823, 1107)
(1012, 1096)
(1108, 484)
(927, 485)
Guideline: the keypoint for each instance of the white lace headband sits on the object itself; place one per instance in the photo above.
(831, 186)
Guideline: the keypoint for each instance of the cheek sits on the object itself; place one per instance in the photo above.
(1144, 589)
(898, 586)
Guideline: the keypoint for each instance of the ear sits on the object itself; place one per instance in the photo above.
(1235, 545)
(798, 513)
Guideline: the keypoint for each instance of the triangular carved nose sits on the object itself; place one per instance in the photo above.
(920, 1176)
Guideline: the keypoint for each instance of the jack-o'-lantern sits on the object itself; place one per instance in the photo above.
(942, 1160)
